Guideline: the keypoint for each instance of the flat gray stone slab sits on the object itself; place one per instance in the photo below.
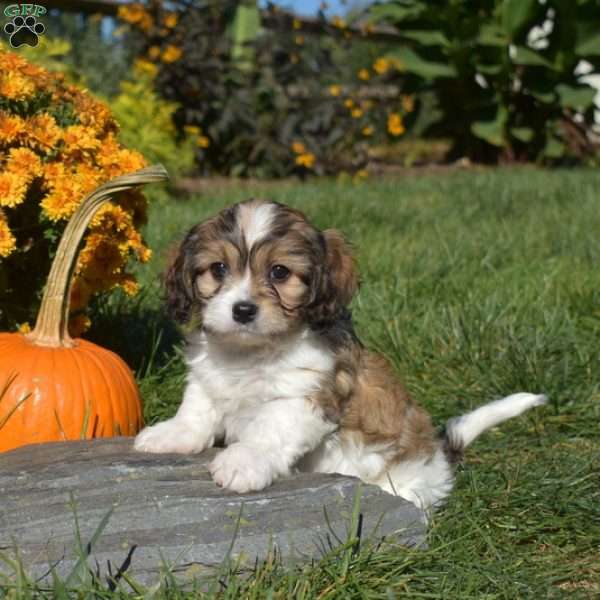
(165, 509)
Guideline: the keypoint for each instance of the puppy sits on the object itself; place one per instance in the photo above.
(277, 372)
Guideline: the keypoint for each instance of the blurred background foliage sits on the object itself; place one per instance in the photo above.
(225, 87)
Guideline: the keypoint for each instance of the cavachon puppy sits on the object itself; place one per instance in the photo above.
(277, 372)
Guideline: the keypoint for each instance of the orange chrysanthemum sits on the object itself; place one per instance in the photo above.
(7, 239)
(43, 131)
(11, 127)
(78, 138)
(14, 86)
(24, 163)
(68, 159)
(12, 189)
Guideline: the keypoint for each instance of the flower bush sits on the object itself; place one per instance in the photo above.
(506, 79)
(58, 143)
(145, 119)
(252, 113)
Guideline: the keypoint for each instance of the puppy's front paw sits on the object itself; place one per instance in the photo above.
(174, 435)
(241, 468)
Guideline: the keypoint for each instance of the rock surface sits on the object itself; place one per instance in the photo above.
(152, 510)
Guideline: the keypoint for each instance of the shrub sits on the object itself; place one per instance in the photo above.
(145, 119)
(146, 122)
(57, 143)
(503, 76)
(283, 103)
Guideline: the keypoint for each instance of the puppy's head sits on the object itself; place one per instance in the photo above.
(258, 271)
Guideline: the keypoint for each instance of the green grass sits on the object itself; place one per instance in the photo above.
(475, 285)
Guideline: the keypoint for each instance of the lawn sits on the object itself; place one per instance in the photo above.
(475, 285)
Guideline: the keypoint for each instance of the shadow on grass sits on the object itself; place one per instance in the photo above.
(137, 329)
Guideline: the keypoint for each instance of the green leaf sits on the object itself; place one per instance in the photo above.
(577, 97)
(492, 131)
(492, 35)
(244, 29)
(588, 39)
(406, 10)
(523, 134)
(427, 37)
(542, 90)
(553, 148)
(516, 14)
(489, 69)
(527, 56)
(414, 63)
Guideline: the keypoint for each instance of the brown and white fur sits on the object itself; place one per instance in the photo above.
(277, 373)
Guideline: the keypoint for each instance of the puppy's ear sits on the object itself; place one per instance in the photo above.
(180, 286)
(337, 280)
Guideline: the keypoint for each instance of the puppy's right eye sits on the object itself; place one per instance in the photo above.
(218, 270)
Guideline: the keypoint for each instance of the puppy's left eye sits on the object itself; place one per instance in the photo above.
(279, 273)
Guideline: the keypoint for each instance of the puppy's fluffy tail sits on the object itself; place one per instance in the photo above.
(461, 431)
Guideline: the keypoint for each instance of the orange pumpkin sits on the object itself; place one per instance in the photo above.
(53, 387)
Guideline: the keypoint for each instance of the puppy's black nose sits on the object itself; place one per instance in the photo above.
(244, 312)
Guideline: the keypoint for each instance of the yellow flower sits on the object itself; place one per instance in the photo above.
(335, 90)
(24, 327)
(395, 125)
(192, 129)
(153, 52)
(129, 285)
(14, 86)
(24, 163)
(129, 161)
(171, 54)
(368, 131)
(408, 103)
(296, 24)
(364, 74)
(144, 253)
(7, 239)
(80, 139)
(111, 217)
(381, 66)
(349, 103)
(12, 189)
(145, 66)
(306, 160)
(203, 141)
(366, 104)
(44, 132)
(11, 127)
(299, 39)
(170, 20)
(360, 175)
(63, 199)
(135, 14)
(298, 147)
(356, 113)
(338, 22)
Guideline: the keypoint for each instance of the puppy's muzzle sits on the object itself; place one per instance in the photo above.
(244, 312)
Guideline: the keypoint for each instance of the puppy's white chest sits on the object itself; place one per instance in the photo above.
(239, 382)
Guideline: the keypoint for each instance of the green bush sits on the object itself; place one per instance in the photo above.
(500, 76)
(281, 103)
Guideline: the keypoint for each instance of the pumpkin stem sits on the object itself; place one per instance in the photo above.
(51, 327)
